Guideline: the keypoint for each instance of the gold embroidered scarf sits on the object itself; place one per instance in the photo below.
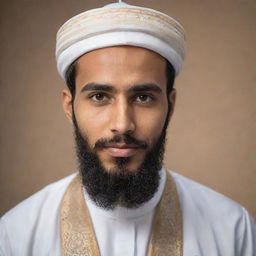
(78, 237)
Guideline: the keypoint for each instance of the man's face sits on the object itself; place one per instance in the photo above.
(120, 92)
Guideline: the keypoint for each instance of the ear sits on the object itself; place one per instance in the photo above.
(67, 104)
(172, 99)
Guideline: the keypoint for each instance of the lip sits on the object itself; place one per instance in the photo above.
(122, 151)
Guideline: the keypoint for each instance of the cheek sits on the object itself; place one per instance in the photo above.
(91, 121)
(152, 123)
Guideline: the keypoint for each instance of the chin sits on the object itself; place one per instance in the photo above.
(122, 165)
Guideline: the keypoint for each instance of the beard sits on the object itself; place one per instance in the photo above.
(119, 186)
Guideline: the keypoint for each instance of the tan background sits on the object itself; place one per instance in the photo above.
(212, 134)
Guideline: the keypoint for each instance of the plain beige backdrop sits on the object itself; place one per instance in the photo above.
(212, 136)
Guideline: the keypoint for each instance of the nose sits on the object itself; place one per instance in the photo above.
(122, 118)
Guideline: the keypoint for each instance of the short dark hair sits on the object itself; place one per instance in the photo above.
(71, 78)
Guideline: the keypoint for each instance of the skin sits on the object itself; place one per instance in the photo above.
(120, 90)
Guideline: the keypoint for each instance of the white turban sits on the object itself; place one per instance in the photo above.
(120, 24)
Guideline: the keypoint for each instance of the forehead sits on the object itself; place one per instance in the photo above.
(122, 65)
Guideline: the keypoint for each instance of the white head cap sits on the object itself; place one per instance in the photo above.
(120, 24)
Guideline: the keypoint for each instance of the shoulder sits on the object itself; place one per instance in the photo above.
(36, 201)
(34, 218)
(204, 198)
(213, 219)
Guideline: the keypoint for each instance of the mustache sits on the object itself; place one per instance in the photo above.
(126, 138)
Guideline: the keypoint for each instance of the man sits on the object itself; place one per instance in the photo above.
(119, 63)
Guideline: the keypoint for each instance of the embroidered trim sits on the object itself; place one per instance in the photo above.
(77, 234)
(167, 237)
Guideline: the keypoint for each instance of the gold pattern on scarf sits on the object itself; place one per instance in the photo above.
(166, 238)
(78, 237)
(77, 234)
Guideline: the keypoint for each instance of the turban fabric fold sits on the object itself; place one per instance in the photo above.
(120, 24)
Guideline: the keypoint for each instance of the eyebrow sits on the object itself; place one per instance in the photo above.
(98, 87)
(109, 88)
(145, 87)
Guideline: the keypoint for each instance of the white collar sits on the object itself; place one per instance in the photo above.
(127, 213)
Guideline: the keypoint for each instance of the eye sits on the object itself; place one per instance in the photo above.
(98, 97)
(143, 98)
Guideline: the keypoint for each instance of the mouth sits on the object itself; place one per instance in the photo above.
(122, 150)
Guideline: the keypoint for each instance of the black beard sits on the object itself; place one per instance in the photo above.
(109, 188)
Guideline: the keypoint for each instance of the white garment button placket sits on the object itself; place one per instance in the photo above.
(125, 240)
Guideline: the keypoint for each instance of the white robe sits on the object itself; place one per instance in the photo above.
(213, 225)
